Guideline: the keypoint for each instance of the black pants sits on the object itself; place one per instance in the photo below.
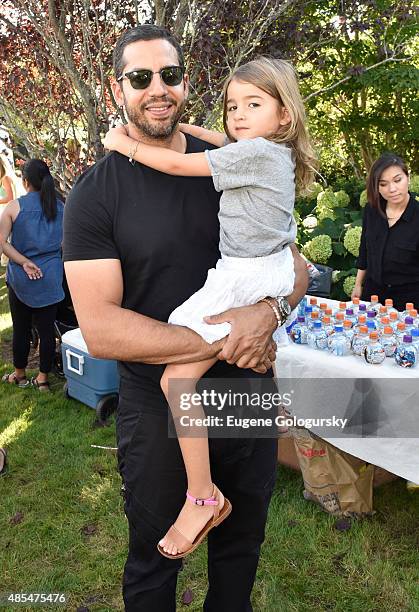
(400, 294)
(23, 317)
(152, 468)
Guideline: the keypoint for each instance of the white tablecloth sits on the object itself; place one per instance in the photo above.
(387, 422)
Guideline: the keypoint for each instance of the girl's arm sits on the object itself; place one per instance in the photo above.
(211, 136)
(6, 224)
(7, 186)
(164, 160)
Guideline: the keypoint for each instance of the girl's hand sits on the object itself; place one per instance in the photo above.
(32, 270)
(112, 138)
(357, 291)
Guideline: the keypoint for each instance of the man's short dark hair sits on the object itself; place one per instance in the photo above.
(142, 32)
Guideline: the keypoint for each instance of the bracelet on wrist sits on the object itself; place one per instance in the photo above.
(275, 310)
(133, 152)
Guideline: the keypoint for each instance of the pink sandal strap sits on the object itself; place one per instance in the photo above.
(209, 501)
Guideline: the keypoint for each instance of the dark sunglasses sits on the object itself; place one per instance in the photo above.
(140, 79)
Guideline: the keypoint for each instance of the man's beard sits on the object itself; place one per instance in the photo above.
(156, 130)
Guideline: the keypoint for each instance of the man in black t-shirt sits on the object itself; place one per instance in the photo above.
(138, 243)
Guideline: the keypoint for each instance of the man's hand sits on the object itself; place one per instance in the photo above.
(250, 343)
(32, 270)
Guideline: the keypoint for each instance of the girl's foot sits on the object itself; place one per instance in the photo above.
(15, 379)
(197, 513)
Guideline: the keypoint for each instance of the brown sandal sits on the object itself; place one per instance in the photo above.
(21, 382)
(41, 386)
(218, 517)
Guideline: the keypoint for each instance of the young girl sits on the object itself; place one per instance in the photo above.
(269, 155)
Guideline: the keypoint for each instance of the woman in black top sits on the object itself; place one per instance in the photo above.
(388, 262)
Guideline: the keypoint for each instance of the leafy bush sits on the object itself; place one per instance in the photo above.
(319, 249)
(348, 285)
(352, 240)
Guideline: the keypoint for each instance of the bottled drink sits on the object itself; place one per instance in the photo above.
(371, 326)
(390, 308)
(339, 318)
(317, 337)
(382, 311)
(374, 304)
(323, 308)
(405, 313)
(314, 316)
(371, 314)
(362, 320)
(406, 354)
(360, 340)
(362, 309)
(388, 340)
(415, 338)
(348, 330)
(354, 305)
(400, 331)
(313, 304)
(341, 308)
(338, 344)
(414, 314)
(350, 316)
(299, 331)
(408, 321)
(373, 351)
(394, 319)
(383, 322)
(328, 326)
(301, 307)
(307, 312)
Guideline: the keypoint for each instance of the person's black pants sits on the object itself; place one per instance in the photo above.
(152, 468)
(23, 318)
(400, 294)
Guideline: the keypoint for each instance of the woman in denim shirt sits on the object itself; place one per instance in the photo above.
(35, 270)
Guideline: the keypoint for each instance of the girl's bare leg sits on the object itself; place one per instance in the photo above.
(194, 448)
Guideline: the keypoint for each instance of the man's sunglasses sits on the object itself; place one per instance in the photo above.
(141, 79)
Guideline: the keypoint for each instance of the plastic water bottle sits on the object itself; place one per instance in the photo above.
(374, 303)
(338, 344)
(348, 330)
(360, 340)
(390, 308)
(394, 319)
(322, 310)
(299, 331)
(328, 326)
(301, 307)
(414, 315)
(354, 305)
(409, 306)
(406, 354)
(382, 311)
(341, 308)
(383, 322)
(374, 351)
(339, 318)
(313, 304)
(329, 313)
(362, 320)
(408, 321)
(314, 316)
(371, 314)
(307, 313)
(400, 332)
(350, 316)
(371, 326)
(362, 309)
(388, 340)
(415, 338)
(317, 337)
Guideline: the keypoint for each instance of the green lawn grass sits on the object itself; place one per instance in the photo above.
(62, 527)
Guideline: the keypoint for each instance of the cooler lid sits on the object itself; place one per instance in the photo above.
(75, 339)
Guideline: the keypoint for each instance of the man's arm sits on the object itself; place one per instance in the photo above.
(113, 332)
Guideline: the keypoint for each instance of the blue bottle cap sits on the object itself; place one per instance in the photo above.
(415, 333)
(308, 309)
(338, 328)
(317, 324)
(371, 324)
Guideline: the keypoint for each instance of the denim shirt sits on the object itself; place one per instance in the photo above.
(40, 241)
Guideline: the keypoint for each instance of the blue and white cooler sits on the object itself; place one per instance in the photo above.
(95, 382)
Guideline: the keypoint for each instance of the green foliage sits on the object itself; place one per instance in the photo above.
(319, 249)
(414, 183)
(348, 285)
(363, 198)
(352, 240)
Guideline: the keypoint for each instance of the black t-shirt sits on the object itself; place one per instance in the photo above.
(164, 229)
(391, 254)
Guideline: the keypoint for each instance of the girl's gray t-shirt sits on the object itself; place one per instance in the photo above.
(257, 178)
